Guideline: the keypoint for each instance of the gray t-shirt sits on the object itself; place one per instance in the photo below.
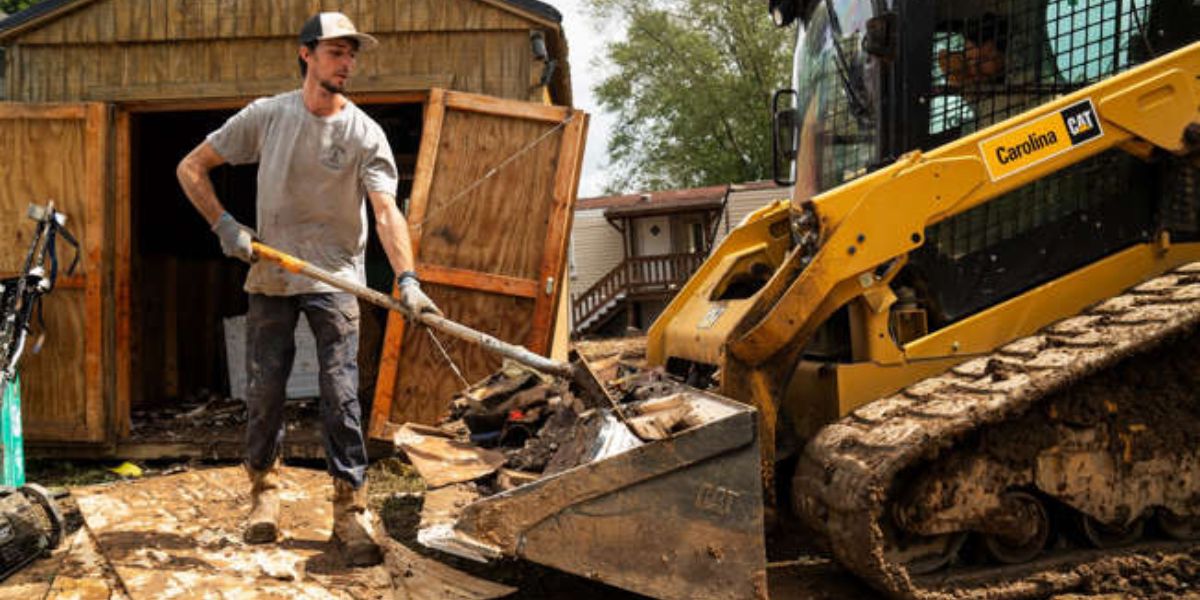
(313, 176)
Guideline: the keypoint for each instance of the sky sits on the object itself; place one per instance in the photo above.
(585, 45)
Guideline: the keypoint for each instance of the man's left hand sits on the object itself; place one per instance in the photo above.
(413, 299)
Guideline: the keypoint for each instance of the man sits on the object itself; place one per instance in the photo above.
(318, 155)
(1004, 62)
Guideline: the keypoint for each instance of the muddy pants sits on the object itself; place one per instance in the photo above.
(270, 348)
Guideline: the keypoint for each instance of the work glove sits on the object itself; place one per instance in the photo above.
(411, 296)
(235, 237)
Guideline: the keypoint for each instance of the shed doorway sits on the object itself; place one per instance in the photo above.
(182, 397)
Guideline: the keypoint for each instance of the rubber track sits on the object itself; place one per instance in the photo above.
(851, 465)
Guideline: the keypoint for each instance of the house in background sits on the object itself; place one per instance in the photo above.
(630, 254)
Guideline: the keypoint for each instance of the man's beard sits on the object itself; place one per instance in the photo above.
(331, 88)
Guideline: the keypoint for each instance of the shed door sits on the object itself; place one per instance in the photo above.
(490, 215)
(57, 152)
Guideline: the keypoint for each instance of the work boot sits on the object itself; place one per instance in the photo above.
(262, 527)
(352, 525)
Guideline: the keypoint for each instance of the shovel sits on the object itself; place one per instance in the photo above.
(591, 391)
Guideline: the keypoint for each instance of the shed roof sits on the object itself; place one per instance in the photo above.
(47, 10)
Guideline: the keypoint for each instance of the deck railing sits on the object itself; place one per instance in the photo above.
(636, 276)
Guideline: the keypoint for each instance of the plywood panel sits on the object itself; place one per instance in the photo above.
(34, 172)
(52, 387)
(58, 152)
(424, 378)
(492, 195)
(472, 212)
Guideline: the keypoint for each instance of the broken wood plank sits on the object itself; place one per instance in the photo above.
(419, 578)
(664, 403)
(442, 461)
(660, 424)
(508, 479)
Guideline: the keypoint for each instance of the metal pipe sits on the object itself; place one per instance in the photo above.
(442, 324)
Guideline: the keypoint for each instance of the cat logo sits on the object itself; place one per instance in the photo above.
(1030, 143)
(1081, 122)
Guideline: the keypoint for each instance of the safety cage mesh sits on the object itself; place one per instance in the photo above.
(996, 59)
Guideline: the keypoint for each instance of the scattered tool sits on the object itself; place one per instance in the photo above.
(591, 391)
(19, 296)
(31, 525)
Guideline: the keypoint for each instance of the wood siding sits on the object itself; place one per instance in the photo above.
(159, 20)
(153, 49)
(596, 247)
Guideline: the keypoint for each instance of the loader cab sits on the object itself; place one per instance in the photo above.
(875, 79)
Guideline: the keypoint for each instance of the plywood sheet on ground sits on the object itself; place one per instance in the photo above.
(74, 571)
(179, 536)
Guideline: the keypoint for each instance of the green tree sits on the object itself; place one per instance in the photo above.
(690, 85)
(15, 6)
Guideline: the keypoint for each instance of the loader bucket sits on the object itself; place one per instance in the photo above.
(675, 518)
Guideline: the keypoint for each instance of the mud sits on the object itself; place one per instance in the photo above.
(1127, 368)
(1154, 575)
(1158, 392)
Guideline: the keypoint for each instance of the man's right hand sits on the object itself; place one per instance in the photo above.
(412, 298)
(235, 237)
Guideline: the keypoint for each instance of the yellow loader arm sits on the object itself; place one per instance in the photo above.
(859, 235)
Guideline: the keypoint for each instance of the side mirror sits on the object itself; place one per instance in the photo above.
(785, 136)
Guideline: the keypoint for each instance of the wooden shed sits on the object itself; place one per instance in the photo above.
(105, 96)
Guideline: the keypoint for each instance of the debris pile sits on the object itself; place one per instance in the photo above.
(196, 416)
(614, 357)
(518, 425)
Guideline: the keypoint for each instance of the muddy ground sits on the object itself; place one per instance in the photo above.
(797, 567)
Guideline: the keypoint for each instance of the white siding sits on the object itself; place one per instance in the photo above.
(596, 247)
(743, 203)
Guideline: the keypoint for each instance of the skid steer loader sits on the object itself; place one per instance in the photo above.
(971, 338)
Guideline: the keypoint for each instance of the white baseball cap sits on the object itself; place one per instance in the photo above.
(334, 25)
